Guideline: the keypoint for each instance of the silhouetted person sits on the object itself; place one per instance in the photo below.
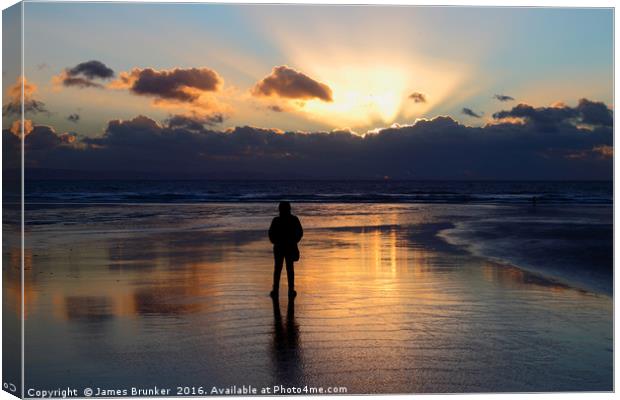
(285, 232)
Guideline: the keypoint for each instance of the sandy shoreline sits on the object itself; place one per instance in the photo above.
(385, 306)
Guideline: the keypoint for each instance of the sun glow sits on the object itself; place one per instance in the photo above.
(371, 79)
(366, 95)
(361, 95)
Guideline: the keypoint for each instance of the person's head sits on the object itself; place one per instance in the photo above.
(285, 208)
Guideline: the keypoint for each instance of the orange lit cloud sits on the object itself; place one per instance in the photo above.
(186, 91)
(604, 151)
(64, 79)
(291, 84)
(31, 105)
(178, 84)
(558, 104)
(16, 127)
(507, 120)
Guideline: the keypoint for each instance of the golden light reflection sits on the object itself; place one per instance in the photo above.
(132, 281)
(509, 276)
(371, 267)
(371, 256)
(12, 290)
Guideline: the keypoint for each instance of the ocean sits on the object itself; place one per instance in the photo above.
(387, 191)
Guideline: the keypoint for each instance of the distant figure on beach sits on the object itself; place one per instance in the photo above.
(285, 232)
(534, 199)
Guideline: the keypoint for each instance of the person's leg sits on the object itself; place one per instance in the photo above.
(277, 270)
(290, 275)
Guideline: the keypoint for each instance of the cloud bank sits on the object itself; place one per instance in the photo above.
(548, 118)
(542, 143)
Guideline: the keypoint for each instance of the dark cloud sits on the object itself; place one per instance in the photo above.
(91, 70)
(288, 83)
(470, 112)
(177, 84)
(41, 139)
(418, 97)
(551, 119)
(276, 108)
(546, 117)
(503, 97)
(194, 122)
(73, 117)
(84, 74)
(31, 106)
(594, 113)
(440, 148)
(80, 82)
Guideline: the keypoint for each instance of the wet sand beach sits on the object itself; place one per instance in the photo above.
(392, 299)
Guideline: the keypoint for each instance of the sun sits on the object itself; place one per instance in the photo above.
(367, 95)
(386, 104)
(361, 95)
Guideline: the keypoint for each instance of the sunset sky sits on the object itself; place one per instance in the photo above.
(305, 68)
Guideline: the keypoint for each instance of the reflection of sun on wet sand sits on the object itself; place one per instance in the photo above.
(384, 305)
(12, 276)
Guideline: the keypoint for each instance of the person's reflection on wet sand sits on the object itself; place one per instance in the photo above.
(285, 350)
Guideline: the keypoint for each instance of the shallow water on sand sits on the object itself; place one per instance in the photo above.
(176, 295)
